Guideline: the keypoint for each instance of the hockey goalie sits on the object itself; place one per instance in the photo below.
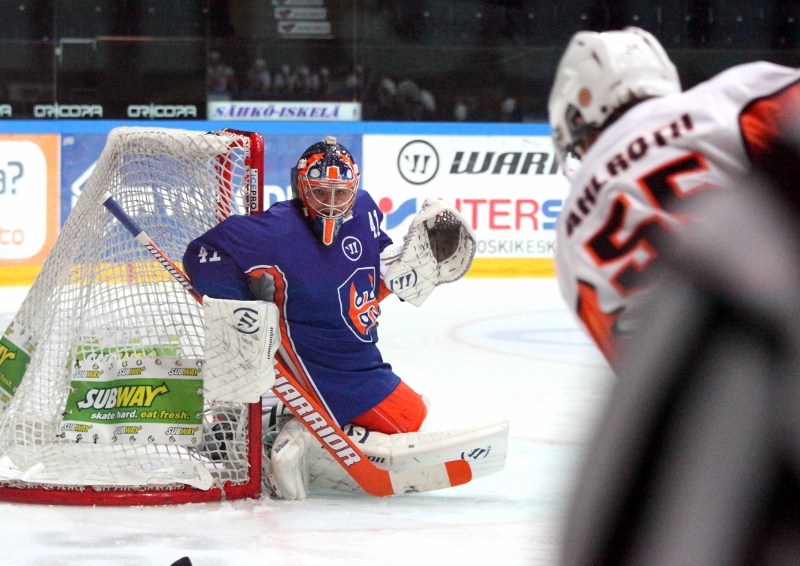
(291, 303)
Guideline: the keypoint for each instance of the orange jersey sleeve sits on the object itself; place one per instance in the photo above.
(764, 120)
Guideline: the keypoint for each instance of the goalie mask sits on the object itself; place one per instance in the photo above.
(325, 180)
(599, 74)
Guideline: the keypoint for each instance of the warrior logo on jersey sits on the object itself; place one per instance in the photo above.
(358, 298)
(351, 246)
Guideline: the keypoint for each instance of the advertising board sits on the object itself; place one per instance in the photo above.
(510, 188)
(29, 167)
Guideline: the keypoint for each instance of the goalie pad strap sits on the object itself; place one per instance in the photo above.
(241, 339)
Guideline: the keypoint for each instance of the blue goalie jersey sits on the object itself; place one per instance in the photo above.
(327, 295)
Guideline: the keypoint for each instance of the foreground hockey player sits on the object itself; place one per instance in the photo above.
(323, 260)
(683, 264)
(645, 151)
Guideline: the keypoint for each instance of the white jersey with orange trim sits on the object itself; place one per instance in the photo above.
(660, 154)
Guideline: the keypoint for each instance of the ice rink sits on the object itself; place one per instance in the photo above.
(481, 349)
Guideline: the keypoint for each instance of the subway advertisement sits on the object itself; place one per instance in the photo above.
(508, 186)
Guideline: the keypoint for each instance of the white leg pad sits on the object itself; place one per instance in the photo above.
(289, 461)
(484, 447)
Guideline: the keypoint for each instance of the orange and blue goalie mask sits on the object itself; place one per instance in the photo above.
(326, 182)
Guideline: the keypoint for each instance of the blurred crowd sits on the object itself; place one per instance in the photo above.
(384, 98)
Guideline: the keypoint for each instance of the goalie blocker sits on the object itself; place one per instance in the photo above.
(438, 248)
(241, 340)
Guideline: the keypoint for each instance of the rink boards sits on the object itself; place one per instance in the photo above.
(503, 177)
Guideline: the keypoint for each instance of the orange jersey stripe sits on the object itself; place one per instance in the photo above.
(599, 324)
(291, 360)
(762, 121)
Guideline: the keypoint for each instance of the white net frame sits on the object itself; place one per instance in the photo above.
(100, 283)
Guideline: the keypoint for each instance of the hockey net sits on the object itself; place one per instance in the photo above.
(101, 380)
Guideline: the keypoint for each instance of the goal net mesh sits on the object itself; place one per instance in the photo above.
(101, 298)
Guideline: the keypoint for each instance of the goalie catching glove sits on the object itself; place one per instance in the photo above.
(438, 248)
(241, 340)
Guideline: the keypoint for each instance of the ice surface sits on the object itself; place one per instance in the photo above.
(481, 349)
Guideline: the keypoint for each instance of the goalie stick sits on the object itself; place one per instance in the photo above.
(315, 417)
(141, 236)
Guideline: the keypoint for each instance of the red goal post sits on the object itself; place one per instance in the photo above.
(101, 305)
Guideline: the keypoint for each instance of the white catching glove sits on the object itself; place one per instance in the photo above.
(241, 339)
(438, 248)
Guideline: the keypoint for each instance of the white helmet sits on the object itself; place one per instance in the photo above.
(598, 74)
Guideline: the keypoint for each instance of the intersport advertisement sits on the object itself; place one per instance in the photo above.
(510, 188)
